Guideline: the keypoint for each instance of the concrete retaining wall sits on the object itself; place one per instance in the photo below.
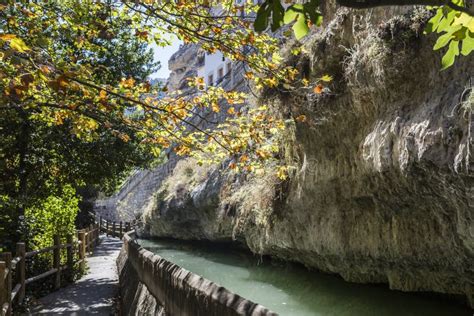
(175, 289)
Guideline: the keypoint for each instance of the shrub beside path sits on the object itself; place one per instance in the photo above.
(94, 293)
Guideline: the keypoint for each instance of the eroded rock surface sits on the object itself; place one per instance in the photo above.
(384, 187)
(184, 64)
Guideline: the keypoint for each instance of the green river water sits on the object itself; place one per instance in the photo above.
(291, 289)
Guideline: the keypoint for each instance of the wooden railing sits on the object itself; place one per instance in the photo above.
(13, 286)
(114, 229)
(13, 280)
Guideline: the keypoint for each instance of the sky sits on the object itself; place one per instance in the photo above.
(163, 54)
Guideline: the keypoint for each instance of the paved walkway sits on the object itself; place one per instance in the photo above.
(94, 293)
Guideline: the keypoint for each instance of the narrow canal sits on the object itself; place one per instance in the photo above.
(292, 290)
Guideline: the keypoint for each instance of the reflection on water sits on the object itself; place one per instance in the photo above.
(290, 289)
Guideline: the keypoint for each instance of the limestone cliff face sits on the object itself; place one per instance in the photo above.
(384, 187)
(184, 64)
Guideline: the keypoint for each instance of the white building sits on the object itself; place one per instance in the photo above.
(217, 67)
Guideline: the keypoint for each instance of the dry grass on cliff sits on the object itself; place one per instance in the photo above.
(368, 56)
(254, 201)
(380, 53)
(186, 175)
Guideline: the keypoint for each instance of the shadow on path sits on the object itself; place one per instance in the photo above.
(94, 293)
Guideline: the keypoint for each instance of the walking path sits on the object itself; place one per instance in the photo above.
(95, 292)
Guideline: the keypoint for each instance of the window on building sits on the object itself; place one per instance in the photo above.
(210, 80)
(228, 69)
(220, 73)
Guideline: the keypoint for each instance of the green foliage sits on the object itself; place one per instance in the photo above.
(8, 229)
(457, 29)
(64, 74)
(50, 136)
(300, 15)
(52, 216)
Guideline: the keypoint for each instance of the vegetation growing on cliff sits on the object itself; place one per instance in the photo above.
(77, 107)
(453, 19)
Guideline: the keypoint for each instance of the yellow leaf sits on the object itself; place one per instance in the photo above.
(244, 158)
(156, 151)
(58, 118)
(231, 111)
(262, 154)
(127, 83)
(301, 118)
(465, 20)
(7, 37)
(102, 94)
(18, 45)
(215, 107)
(124, 137)
(62, 81)
(199, 80)
(45, 69)
(282, 173)
(182, 150)
(326, 78)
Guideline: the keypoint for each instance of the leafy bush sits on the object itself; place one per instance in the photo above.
(54, 215)
(8, 229)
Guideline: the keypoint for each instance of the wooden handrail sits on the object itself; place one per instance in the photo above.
(15, 291)
(30, 254)
(86, 240)
(41, 276)
(15, 261)
(18, 264)
(5, 308)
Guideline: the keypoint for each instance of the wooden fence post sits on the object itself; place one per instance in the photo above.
(113, 229)
(106, 228)
(88, 241)
(57, 261)
(3, 290)
(70, 258)
(82, 249)
(8, 281)
(91, 239)
(127, 227)
(97, 233)
(121, 230)
(100, 224)
(21, 270)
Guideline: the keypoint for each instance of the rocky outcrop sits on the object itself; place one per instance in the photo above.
(383, 190)
(183, 65)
